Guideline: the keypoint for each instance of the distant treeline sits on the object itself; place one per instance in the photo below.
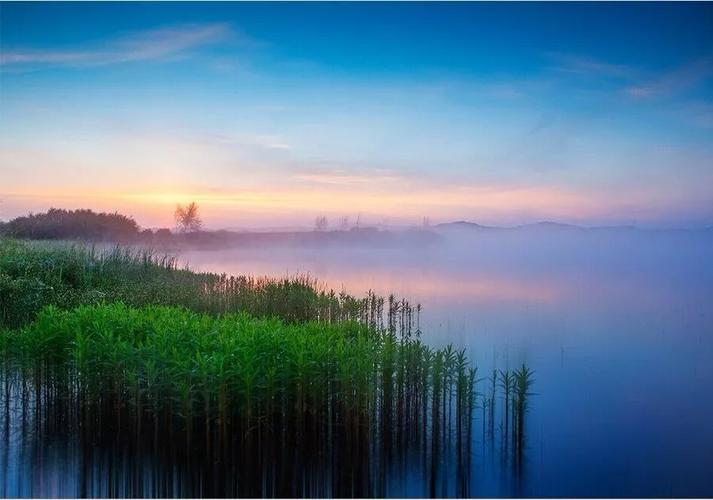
(84, 224)
(57, 224)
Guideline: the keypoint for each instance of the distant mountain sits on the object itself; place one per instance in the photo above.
(464, 225)
(543, 225)
(549, 225)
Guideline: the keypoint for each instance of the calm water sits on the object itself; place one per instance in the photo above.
(617, 325)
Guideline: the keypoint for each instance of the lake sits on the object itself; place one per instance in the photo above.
(617, 325)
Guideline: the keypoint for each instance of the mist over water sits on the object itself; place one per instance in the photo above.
(334, 341)
(616, 323)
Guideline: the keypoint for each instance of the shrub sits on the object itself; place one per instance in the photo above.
(73, 224)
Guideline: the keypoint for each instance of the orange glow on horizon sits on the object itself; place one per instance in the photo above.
(301, 203)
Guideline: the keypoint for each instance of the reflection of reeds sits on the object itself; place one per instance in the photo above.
(278, 404)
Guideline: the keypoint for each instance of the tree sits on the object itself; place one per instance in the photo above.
(344, 223)
(320, 224)
(187, 219)
(85, 224)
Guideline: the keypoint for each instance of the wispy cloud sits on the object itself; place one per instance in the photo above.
(156, 44)
(587, 66)
(639, 85)
(347, 177)
(675, 81)
(264, 141)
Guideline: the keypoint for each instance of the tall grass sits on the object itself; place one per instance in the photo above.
(237, 386)
(33, 275)
(524, 380)
(236, 391)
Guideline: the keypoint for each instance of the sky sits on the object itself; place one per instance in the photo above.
(270, 114)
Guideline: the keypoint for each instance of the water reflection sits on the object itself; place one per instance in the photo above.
(59, 442)
(618, 325)
(357, 272)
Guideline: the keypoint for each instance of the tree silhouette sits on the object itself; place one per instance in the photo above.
(321, 223)
(187, 219)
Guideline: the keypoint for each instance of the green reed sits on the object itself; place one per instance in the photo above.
(260, 386)
(506, 384)
(523, 381)
(33, 275)
(174, 378)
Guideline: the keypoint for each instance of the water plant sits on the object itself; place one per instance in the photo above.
(194, 385)
(34, 274)
(524, 380)
(233, 386)
(506, 384)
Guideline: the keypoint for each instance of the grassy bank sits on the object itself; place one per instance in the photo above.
(33, 275)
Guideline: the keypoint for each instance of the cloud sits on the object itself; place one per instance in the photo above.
(263, 141)
(638, 83)
(345, 177)
(675, 81)
(587, 66)
(151, 45)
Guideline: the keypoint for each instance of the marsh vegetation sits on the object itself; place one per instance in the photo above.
(165, 382)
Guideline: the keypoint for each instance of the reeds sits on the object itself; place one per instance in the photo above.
(523, 381)
(33, 275)
(235, 386)
(233, 390)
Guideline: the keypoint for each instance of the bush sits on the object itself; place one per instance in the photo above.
(72, 224)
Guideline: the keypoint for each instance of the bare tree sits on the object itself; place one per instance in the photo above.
(344, 223)
(187, 218)
(320, 224)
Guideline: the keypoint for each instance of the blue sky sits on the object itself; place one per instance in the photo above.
(269, 114)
